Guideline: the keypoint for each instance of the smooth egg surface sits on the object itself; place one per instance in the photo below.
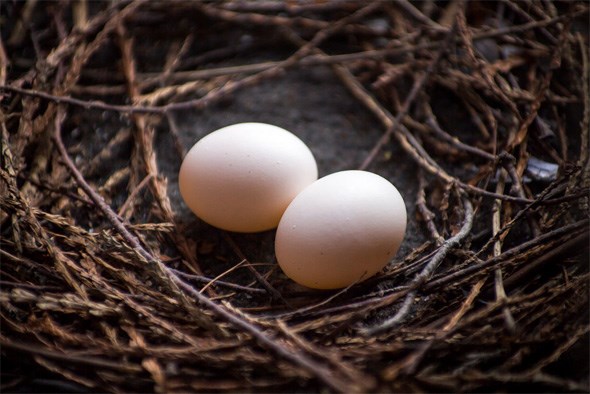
(343, 228)
(242, 177)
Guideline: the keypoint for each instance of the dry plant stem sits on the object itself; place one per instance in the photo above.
(584, 159)
(229, 285)
(271, 290)
(432, 122)
(579, 241)
(376, 54)
(498, 280)
(133, 194)
(567, 230)
(409, 364)
(363, 381)
(412, 361)
(524, 14)
(276, 70)
(80, 10)
(415, 13)
(518, 216)
(393, 124)
(264, 19)
(22, 24)
(173, 127)
(302, 311)
(426, 272)
(3, 65)
(214, 280)
(426, 213)
(585, 143)
(174, 58)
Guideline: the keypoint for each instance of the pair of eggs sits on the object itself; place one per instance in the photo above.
(331, 232)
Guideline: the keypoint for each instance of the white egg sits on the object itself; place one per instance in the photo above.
(341, 229)
(242, 177)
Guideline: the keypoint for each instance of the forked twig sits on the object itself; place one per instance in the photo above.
(426, 272)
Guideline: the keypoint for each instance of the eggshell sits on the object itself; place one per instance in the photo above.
(341, 229)
(242, 177)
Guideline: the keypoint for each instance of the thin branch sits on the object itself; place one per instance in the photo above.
(498, 280)
(426, 213)
(134, 193)
(229, 285)
(426, 272)
(274, 293)
(472, 269)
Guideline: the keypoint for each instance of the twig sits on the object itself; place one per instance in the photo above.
(584, 146)
(453, 141)
(406, 139)
(519, 215)
(80, 11)
(214, 280)
(4, 62)
(514, 7)
(498, 282)
(302, 311)
(229, 285)
(426, 213)
(269, 288)
(174, 58)
(415, 13)
(426, 272)
(22, 23)
(566, 230)
(263, 19)
(579, 241)
(173, 127)
(134, 193)
(411, 362)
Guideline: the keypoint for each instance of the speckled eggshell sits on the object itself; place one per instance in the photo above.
(343, 228)
(242, 177)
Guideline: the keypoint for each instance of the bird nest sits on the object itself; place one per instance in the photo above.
(477, 111)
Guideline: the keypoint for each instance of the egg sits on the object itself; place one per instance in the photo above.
(343, 228)
(242, 177)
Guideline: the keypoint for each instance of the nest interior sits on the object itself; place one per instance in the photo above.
(477, 111)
